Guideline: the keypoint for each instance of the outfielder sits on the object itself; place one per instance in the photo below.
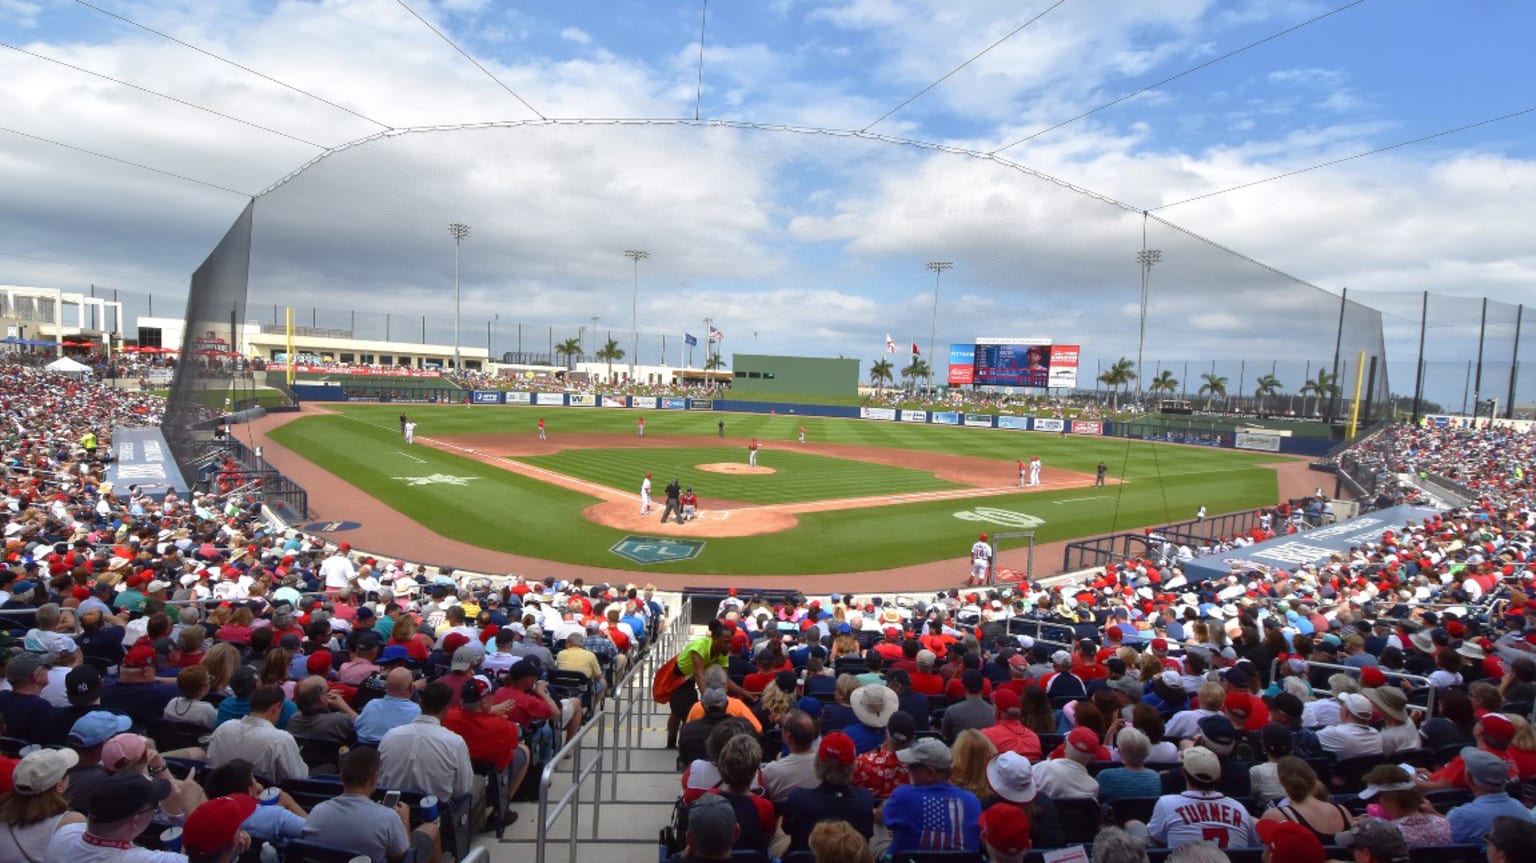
(645, 495)
(981, 560)
(752, 452)
(410, 433)
(802, 434)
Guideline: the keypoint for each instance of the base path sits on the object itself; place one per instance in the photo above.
(385, 532)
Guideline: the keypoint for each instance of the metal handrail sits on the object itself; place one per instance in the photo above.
(1417, 680)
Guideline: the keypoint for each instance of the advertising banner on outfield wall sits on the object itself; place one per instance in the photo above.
(962, 365)
(549, 398)
(519, 398)
(914, 416)
(983, 421)
(701, 405)
(1087, 427)
(887, 414)
(615, 401)
(1063, 364)
(582, 400)
(674, 404)
(1016, 423)
(486, 397)
(948, 418)
(647, 402)
(1048, 425)
(1265, 442)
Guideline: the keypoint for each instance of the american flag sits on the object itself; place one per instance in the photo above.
(890, 346)
(715, 335)
(942, 824)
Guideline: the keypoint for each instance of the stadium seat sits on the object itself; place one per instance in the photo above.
(309, 793)
(798, 857)
(301, 851)
(1132, 808)
(1080, 819)
(1347, 776)
(322, 755)
(11, 746)
(172, 734)
(937, 857)
(1463, 853)
(497, 795)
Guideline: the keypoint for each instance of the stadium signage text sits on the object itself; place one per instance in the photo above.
(674, 404)
(646, 402)
(1049, 425)
(702, 404)
(887, 414)
(1265, 442)
(1087, 427)
(519, 398)
(583, 400)
(646, 550)
(615, 401)
(979, 420)
(1016, 423)
(914, 416)
(948, 418)
(549, 398)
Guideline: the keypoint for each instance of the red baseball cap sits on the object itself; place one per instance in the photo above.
(1289, 842)
(142, 656)
(213, 826)
(1239, 704)
(1497, 730)
(1372, 676)
(838, 747)
(1006, 828)
(1159, 644)
(1083, 740)
(319, 662)
(453, 641)
(1005, 700)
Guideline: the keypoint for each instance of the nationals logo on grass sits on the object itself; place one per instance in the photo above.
(1004, 517)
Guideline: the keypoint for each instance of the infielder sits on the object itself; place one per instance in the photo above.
(1021, 473)
(1098, 480)
(752, 453)
(1034, 470)
(410, 433)
(981, 559)
(645, 495)
(802, 434)
(541, 429)
(640, 426)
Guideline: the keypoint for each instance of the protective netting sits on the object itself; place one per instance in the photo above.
(803, 241)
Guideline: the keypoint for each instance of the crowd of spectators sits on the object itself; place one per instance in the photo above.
(168, 662)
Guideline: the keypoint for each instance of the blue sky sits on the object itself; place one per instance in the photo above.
(815, 244)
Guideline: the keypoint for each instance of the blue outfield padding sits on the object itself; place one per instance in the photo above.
(141, 457)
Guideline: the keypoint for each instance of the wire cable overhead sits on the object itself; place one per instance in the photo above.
(919, 94)
(120, 161)
(467, 56)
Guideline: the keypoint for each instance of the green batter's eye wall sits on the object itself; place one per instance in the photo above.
(778, 375)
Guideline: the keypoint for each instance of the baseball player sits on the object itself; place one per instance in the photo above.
(752, 452)
(402, 424)
(981, 560)
(541, 429)
(645, 494)
(640, 426)
(1098, 480)
(802, 434)
(690, 504)
(410, 433)
(1034, 470)
(1022, 469)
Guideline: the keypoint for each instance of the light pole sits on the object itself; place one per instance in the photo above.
(637, 256)
(1145, 257)
(595, 319)
(938, 268)
(459, 231)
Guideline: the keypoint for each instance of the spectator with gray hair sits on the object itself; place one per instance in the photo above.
(1113, 845)
(1133, 779)
(1196, 852)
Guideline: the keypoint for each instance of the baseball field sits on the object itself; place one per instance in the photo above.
(857, 496)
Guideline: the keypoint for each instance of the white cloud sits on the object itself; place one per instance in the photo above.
(575, 34)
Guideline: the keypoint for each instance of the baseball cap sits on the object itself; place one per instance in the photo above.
(926, 657)
(714, 697)
(1010, 776)
(1201, 763)
(318, 662)
(465, 657)
(82, 685)
(1171, 679)
(902, 727)
(394, 653)
(453, 641)
(1372, 676)
(42, 770)
(1018, 661)
(1239, 704)
(1083, 740)
(927, 753)
(522, 669)
(472, 691)
(1485, 768)
(711, 826)
(142, 656)
(1218, 731)
(1289, 842)
(1288, 704)
(1006, 828)
(1377, 835)
(96, 728)
(838, 747)
(212, 827)
(122, 750)
(1497, 730)
(1005, 700)
(1236, 676)
(23, 665)
(1159, 644)
(122, 795)
(1358, 705)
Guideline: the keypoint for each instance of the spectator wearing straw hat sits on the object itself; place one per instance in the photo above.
(873, 705)
(1399, 734)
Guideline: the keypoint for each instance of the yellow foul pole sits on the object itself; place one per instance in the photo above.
(289, 333)
(1354, 412)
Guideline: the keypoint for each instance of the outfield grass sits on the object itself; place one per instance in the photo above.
(798, 476)
(501, 510)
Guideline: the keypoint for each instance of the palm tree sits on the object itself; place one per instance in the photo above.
(609, 353)
(570, 349)
(1325, 384)
(1268, 385)
(882, 372)
(1165, 382)
(1215, 387)
(714, 362)
(915, 372)
(1118, 375)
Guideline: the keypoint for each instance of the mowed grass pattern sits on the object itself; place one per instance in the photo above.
(797, 476)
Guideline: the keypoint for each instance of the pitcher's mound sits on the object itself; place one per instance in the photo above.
(734, 467)
(625, 515)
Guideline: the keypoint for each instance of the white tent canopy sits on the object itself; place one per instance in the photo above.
(68, 367)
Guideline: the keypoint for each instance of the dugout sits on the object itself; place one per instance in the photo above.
(781, 375)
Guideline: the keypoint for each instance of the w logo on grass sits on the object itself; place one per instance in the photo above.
(1004, 517)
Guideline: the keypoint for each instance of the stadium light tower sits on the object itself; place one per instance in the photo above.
(460, 232)
(1145, 257)
(637, 256)
(938, 268)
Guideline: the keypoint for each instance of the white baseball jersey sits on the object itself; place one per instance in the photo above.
(1195, 816)
(645, 487)
(980, 553)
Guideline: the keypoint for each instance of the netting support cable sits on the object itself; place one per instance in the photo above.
(1171, 78)
(1012, 33)
(467, 56)
(206, 53)
(698, 93)
(1418, 377)
(141, 166)
(157, 94)
(1514, 364)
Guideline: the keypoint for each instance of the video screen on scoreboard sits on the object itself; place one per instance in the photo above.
(1012, 365)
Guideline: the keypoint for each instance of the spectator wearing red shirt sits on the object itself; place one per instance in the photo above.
(955, 690)
(769, 661)
(880, 771)
(1086, 664)
(1493, 734)
(892, 649)
(489, 734)
(1010, 734)
(924, 679)
(1018, 668)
